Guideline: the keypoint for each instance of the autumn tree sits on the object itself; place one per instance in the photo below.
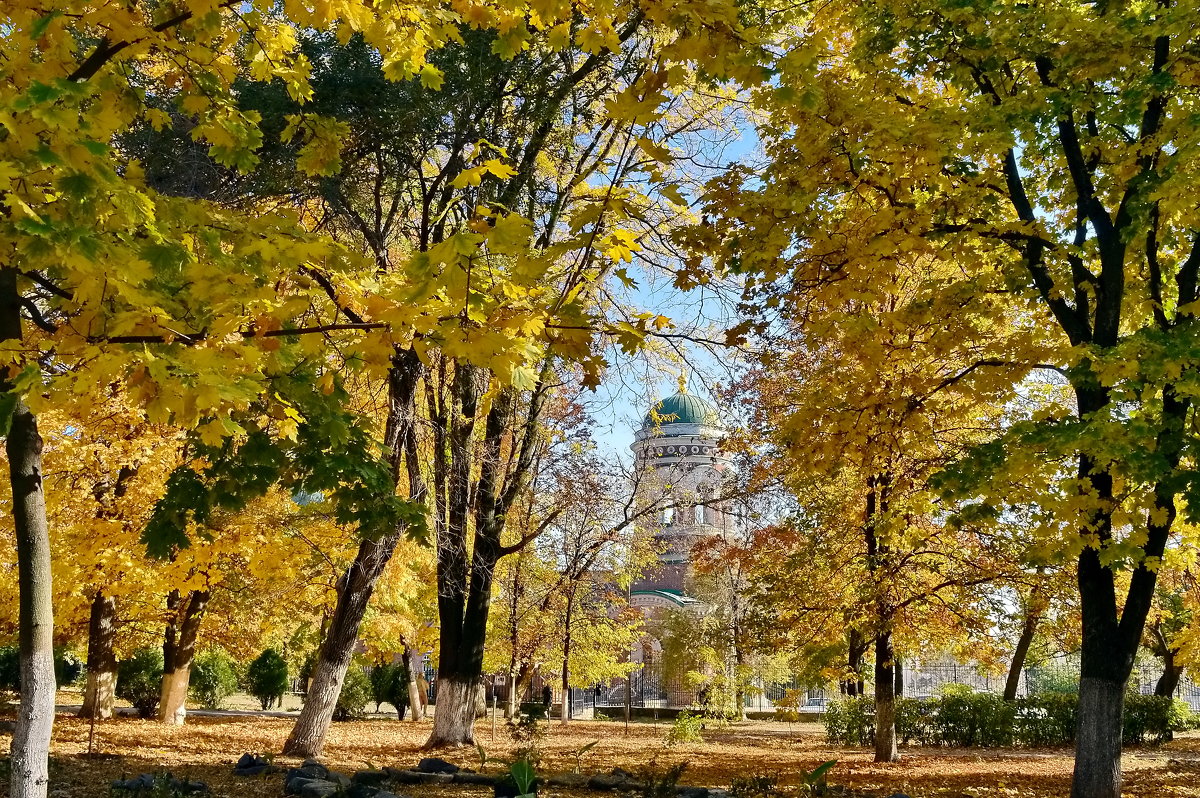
(1041, 150)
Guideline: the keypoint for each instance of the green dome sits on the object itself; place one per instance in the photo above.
(682, 408)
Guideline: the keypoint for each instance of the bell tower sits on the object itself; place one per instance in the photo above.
(683, 470)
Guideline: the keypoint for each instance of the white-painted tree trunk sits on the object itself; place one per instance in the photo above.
(416, 701)
(172, 702)
(30, 752)
(308, 735)
(453, 713)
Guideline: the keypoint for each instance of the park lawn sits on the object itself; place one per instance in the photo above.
(207, 746)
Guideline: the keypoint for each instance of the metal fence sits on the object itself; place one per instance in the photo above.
(647, 687)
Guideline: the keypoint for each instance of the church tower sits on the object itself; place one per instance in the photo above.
(681, 469)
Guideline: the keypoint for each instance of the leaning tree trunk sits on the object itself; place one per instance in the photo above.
(1172, 673)
(30, 751)
(1021, 652)
(179, 649)
(885, 700)
(99, 696)
(416, 701)
(355, 588)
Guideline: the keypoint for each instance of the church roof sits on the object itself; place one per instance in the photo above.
(682, 408)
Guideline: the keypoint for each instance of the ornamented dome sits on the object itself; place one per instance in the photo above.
(682, 408)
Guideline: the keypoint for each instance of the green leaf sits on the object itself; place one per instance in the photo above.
(8, 403)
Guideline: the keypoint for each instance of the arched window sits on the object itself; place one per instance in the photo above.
(700, 514)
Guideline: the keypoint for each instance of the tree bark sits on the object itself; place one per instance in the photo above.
(99, 695)
(885, 700)
(179, 649)
(30, 751)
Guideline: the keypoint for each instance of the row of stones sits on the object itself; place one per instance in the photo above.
(314, 780)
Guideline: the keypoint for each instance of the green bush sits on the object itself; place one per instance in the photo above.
(139, 680)
(1046, 719)
(685, 729)
(965, 718)
(267, 678)
(851, 721)
(356, 693)
(67, 667)
(389, 684)
(10, 669)
(214, 678)
(914, 720)
(1153, 718)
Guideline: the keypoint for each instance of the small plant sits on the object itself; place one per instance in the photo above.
(524, 775)
(67, 667)
(763, 786)
(685, 729)
(139, 680)
(267, 678)
(788, 708)
(483, 757)
(528, 732)
(814, 780)
(578, 753)
(658, 783)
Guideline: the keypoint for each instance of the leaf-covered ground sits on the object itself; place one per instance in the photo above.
(207, 746)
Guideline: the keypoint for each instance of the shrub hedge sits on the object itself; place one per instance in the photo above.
(987, 720)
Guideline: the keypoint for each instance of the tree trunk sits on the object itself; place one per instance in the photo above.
(885, 700)
(416, 701)
(1169, 681)
(30, 748)
(1028, 629)
(29, 755)
(179, 649)
(355, 588)
(454, 712)
(99, 696)
(1098, 744)
(899, 669)
(566, 660)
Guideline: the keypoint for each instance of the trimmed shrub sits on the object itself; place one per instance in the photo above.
(1153, 718)
(356, 693)
(964, 718)
(214, 678)
(139, 680)
(1046, 719)
(267, 678)
(851, 721)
